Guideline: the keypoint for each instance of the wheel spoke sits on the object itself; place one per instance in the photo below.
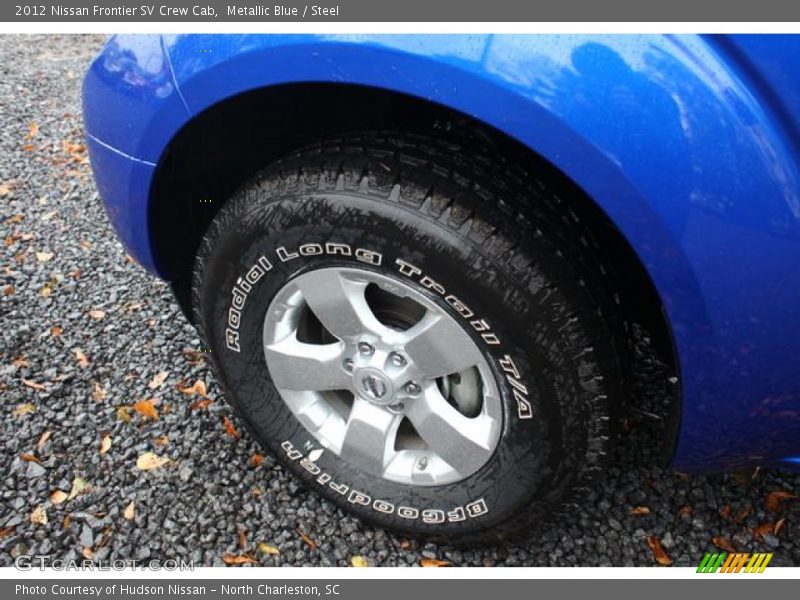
(339, 303)
(295, 365)
(464, 443)
(369, 437)
(439, 346)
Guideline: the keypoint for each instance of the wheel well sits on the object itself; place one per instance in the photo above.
(221, 148)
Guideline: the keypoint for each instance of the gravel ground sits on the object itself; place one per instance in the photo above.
(85, 332)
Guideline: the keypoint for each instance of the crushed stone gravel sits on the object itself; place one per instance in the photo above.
(85, 331)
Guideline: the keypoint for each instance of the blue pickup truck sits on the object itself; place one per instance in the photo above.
(418, 260)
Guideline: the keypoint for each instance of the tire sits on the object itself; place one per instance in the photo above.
(472, 238)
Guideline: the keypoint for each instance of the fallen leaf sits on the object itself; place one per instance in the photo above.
(6, 531)
(44, 256)
(67, 521)
(256, 459)
(405, 544)
(158, 380)
(56, 331)
(146, 409)
(309, 542)
(161, 441)
(23, 409)
(83, 362)
(97, 314)
(43, 439)
(79, 486)
(763, 529)
(88, 553)
(193, 356)
(200, 404)
(39, 516)
(242, 559)
(198, 388)
(685, 510)
(723, 544)
(9, 290)
(46, 291)
(124, 414)
(774, 500)
(657, 549)
(726, 511)
(20, 362)
(5, 188)
(242, 539)
(58, 496)
(30, 458)
(640, 510)
(778, 526)
(359, 561)
(105, 444)
(267, 549)
(149, 461)
(130, 511)
(230, 429)
(34, 385)
(433, 562)
(98, 392)
(33, 129)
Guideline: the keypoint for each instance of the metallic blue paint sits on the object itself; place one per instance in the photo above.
(687, 143)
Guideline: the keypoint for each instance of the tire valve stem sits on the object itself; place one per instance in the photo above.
(422, 463)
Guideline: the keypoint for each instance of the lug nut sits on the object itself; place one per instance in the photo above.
(398, 360)
(413, 388)
(422, 463)
(365, 349)
(348, 365)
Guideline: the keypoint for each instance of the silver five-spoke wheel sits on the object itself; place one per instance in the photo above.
(382, 376)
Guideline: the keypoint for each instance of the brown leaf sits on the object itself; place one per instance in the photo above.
(6, 531)
(405, 544)
(309, 542)
(685, 510)
(242, 539)
(98, 391)
(267, 549)
(33, 129)
(83, 362)
(97, 314)
(158, 380)
(359, 561)
(55, 331)
(88, 553)
(67, 521)
(30, 458)
(34, 385)
(39, 516)
(130, 511)
(124, 414)
(723, 544)
(256, 459)
(44, 256)
(105, 444)
(20, 362)
(9, 290)
(433, 562)
(200, 404)
(23, 409)
(43, 439)
(774, 500)
(640, 510)
(241, 559)
(658, 551)
(726, 511)
(146, 408)
(58, 496)
(230, 429)
(161, 441)
(149, 461)
(763, 529)
(198, 388)
(778, 526)
(193, 356)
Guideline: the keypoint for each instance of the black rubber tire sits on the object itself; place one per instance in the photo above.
(489, 234)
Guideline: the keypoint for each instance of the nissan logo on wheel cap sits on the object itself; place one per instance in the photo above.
(374, 386)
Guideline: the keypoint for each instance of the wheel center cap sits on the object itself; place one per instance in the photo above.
(374, 386)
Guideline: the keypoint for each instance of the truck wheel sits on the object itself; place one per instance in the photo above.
(419, 333)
